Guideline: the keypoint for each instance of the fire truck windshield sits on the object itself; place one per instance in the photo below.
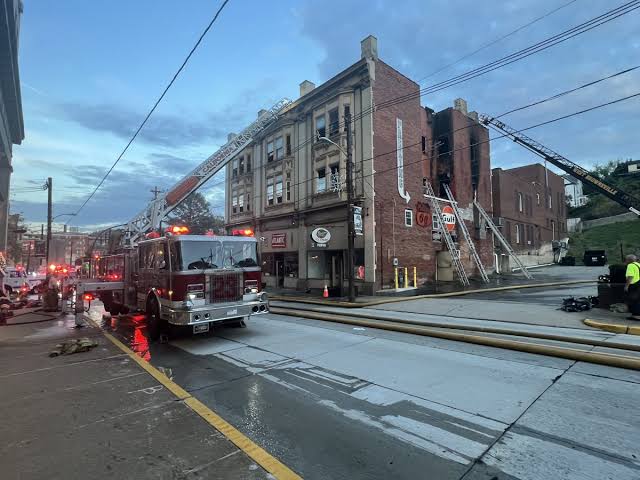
(215, 254)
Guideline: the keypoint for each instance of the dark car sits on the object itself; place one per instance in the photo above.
(595, 258)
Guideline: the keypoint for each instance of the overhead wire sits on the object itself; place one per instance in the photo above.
(155, 105)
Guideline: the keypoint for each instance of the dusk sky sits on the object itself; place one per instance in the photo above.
(91, 70)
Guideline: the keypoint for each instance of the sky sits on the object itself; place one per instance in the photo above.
(90, 72)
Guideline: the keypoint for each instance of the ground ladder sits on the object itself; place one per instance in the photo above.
(455, 255)
(465, 234)
(501, 239)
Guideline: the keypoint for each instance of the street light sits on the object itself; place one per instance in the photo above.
(350, 209)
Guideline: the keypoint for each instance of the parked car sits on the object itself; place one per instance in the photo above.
(594, 258)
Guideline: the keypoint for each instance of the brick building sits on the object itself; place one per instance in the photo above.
(530, 204)
(290, 187)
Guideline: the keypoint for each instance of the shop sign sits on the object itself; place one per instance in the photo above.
(357, 220)
(279, 240)
(320, 236)
(400, 161)
(449, 218)
(422, 214)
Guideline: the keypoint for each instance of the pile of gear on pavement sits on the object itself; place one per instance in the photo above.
(580, 304)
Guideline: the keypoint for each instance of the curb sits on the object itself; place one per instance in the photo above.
(284, 298)
(613, 327)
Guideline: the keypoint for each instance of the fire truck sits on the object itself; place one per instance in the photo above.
(185, 280)
(182, 279)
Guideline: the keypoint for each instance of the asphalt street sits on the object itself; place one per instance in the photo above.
(332, 401)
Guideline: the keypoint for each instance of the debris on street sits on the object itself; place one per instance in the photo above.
(73, 346)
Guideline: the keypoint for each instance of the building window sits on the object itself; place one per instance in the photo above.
(408, 218)
(520, 203)
(288, 144)
(278, 188)
(270, 191)
(335, 177)
(321, 126)
(234, 203)
(241, 202)
(279, 148)
(248, 162)
(270, 154)
(347, 112)
(241, 165)
(538, 199)
(334, 122)
(248, 202)
(288, 187)
(517, 233)
(234, 172)
(550, 203)
(321, 182)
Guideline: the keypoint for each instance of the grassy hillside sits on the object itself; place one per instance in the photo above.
(609, 238)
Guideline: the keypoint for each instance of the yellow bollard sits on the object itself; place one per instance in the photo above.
(415, 277)
(396, 271)
(406, 278)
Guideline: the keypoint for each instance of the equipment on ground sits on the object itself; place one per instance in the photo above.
(149, 219)
(594, 258)
(628, 201)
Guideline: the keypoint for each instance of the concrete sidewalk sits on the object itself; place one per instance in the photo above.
(98, 414)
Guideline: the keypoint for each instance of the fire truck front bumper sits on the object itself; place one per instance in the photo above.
(216, 312)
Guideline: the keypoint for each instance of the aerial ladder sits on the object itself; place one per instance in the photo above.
(628, 201)
(149, 219)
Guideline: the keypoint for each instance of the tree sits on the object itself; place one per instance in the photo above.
(15, 229)
(195, 213)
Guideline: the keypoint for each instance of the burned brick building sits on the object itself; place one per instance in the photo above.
(289, 187)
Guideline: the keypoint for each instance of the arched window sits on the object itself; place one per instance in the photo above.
(517, 233)
(520, 202)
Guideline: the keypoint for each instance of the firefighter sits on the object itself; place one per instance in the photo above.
(632, 286)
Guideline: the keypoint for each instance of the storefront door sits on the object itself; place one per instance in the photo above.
(336, 269)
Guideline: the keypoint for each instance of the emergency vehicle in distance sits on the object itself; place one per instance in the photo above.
(186, 280)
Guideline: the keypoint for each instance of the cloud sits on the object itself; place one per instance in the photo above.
(168, 130)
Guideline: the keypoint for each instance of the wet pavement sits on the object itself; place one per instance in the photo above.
(336, 402)
(97, 414)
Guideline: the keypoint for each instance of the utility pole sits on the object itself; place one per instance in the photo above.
(350, 229)
(155, 192)
(49, 216)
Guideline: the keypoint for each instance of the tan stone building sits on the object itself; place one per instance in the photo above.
(289, 187)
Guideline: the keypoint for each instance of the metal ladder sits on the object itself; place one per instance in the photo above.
(501, 239)
(466, 235)
(455, 258)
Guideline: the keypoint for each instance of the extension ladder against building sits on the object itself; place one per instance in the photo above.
(455, 257)
(465, 234)
(501, 239)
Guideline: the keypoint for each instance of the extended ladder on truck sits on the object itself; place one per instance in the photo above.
(503, 241)
(465, 234)
(628, 201)
(451, 246)
(149, 219)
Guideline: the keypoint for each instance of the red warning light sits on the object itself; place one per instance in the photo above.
(52, 267)
(87, 297)
(178, 230)
(247, 232)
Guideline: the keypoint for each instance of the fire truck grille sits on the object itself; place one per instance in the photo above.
(226, 287)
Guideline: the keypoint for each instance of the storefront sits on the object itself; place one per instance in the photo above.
(280, 259)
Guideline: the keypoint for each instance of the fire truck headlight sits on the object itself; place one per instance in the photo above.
(262, 296)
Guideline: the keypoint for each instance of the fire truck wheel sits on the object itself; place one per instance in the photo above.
(154, 322)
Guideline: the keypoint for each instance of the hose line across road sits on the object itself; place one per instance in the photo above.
(568, 346)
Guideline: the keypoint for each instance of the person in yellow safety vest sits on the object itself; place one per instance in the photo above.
(632, 286)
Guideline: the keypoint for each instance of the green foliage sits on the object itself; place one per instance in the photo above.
(609, 238)
(600, 206)
(195, 213)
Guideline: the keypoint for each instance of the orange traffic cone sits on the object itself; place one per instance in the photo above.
(325, 293)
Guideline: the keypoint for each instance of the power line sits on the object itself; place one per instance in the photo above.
(497, 40)
(155, 105)
(395, 167)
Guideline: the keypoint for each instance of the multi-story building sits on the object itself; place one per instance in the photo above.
(11, 126)
(66, 247)
(573, 191)
(529, 203)
(289, 184)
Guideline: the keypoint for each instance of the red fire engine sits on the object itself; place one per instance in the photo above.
(181, 279)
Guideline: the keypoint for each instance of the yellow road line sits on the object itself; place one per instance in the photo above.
(267, 461)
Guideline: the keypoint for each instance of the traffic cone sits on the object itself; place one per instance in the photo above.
(325, 293)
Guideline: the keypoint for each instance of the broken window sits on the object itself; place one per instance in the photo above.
(321, 126)
(288, 145)
(279, 189)
(321, 180)
(270, 153)
(279, 148)
(270, 191)
(334, 122)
